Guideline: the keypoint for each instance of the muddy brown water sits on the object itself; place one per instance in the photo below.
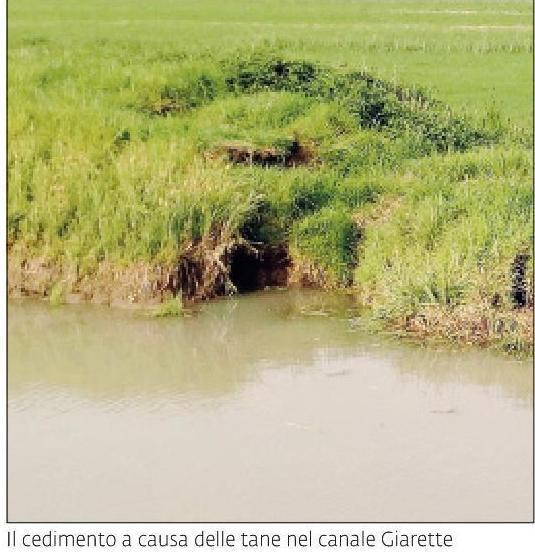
(261, 408)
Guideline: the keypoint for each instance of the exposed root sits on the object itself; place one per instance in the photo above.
(218, 265)
(204, 270)
(209, 270)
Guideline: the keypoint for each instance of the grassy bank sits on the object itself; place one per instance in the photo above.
(148, 158)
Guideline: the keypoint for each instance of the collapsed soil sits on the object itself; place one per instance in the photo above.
(244, 154)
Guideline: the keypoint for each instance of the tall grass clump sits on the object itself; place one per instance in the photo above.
(444, 262)
(323, 245)
(171, 308)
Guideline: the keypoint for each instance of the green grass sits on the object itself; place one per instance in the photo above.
(171, 308)
(470, 53)
(415, 118)
(453, 238)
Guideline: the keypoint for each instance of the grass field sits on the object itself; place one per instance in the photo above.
(385, 147)
(470, 53)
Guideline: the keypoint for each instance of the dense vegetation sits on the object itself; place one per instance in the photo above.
(138, 168)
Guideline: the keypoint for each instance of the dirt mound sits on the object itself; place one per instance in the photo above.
(295, 154)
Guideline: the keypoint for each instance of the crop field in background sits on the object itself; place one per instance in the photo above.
(382, 147)
(470, 53)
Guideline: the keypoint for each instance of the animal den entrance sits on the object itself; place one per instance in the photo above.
(257, 268)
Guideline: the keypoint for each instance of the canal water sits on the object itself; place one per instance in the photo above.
(273, 406)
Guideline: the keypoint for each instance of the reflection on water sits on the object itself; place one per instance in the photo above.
(259, 408)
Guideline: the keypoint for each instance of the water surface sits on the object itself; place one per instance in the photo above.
(260, 408)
